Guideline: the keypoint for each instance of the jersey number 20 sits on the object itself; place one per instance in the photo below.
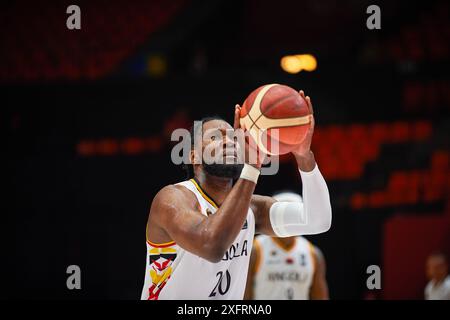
(220, 285)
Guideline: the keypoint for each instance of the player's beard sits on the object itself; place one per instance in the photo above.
(231, 171)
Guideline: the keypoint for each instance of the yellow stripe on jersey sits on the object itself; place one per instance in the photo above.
(162, 250)
(161, 245)
(168, 250)
(154, 251)
(204, 195)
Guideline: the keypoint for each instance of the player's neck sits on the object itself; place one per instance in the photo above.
(287, 243)
(216, 187)
(438, 280)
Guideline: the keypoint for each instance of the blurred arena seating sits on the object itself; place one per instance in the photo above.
(425, 39)
(40, 48)
(425, 97)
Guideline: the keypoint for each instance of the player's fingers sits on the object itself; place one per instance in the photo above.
(302, 94)
(237, 115)
(310, 106)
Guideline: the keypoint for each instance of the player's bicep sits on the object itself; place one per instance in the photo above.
(175, 213)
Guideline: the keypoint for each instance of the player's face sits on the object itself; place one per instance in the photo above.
(436, 267)
(220, 150)
(218, 136)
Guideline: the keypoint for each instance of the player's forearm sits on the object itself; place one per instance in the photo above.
(316, 199)
(221, 228)
(306, 162)
(310, 217)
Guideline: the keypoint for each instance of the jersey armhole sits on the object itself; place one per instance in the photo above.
(157, 245)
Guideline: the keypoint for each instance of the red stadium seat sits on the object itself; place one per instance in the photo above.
(107, 37)
(377, 199)
(378, 132)
(399, 132)
(107, 147)
(421, 130)
(412, 96)
(358, 201)
(440, 161)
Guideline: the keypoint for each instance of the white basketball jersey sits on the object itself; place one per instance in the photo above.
(283, 274)
(174, 273)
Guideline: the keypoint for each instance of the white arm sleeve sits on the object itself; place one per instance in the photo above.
(310, 217)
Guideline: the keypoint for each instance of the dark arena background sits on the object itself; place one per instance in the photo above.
(88, 116)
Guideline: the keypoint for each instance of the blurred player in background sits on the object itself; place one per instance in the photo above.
(438, 287)
(289, 268)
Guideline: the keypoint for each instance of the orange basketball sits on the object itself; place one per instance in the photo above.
(275, 113)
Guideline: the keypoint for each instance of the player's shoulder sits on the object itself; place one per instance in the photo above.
(303, 240)
(173, 194)
(314, 249)
(447, 282)
(428, 287)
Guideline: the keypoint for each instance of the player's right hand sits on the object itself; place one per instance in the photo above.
(253, 155)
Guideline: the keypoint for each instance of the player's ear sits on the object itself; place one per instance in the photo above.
(191, 157)
(194, 158)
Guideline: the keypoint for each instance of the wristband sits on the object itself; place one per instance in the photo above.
(250, 173)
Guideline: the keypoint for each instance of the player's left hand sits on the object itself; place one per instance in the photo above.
(304, 147)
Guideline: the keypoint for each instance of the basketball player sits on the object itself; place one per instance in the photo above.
(438, 287)
(200, 232)
(286, 268)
